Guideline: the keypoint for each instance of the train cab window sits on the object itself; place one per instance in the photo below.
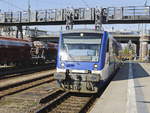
(80, 48)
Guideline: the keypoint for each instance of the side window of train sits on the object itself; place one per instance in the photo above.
(114, 48)
(107, 52)
(108, 46)
(111, 51)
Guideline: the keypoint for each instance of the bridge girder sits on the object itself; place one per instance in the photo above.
(70, 16)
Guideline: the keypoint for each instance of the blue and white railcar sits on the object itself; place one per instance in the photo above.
(86, 59)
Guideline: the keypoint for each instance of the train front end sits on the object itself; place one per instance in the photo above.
(79, 61)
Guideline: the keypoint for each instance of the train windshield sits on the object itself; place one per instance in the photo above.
(76, 48)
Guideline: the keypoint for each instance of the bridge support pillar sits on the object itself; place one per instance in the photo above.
(100, 17)
(19, 31)
(69, 19)
(144, 52)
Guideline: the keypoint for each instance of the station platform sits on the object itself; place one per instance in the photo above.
(128, 92)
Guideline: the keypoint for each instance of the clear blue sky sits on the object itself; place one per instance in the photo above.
(45, 4)
(13, 5)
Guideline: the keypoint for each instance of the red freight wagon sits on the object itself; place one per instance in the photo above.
(52, 51)
(13, 50)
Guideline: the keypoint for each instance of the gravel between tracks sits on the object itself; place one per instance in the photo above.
(27, 100)
(73, 104)
(5, 83)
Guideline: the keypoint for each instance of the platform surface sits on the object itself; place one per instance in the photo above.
(128, 92)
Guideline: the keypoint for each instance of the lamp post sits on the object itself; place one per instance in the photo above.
(29, 9)
(145, 4)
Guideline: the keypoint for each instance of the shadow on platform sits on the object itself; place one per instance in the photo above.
(138, 72)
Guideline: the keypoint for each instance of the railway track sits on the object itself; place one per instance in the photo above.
(67, 102)
(24, 73)
(27, 100)
(55, 101)
(14, 72)
(23, 84)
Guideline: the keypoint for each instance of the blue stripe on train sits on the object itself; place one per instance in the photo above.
(103, 49)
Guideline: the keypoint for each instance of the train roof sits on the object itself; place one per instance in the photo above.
(12, 39)
(7, 42)
(82, 31)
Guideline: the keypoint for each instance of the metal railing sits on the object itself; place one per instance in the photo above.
(129, 13)
(46, 15)
(78, 15)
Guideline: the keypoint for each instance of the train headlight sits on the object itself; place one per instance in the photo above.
(62, 65)
(81, 34)
(95, 65)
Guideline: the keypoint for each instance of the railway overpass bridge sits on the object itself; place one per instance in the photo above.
(70, 16)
